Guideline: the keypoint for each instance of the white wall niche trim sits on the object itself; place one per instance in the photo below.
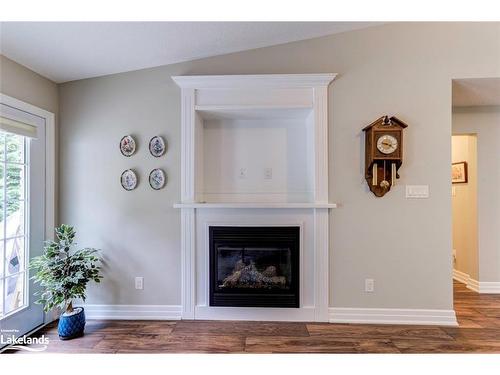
(392, 316)
(133, 312)
(250, 123)
(255, 80)
(260, 205)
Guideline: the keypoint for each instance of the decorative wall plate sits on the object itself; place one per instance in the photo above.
(127, 145)
(157, 179)
(157, 146)
(129, 179)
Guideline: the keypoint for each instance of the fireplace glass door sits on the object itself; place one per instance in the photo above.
(254, 266)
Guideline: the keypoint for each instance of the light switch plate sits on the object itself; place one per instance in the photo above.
(417, 191)
(268, 173)
(139, 283)
(369, 285)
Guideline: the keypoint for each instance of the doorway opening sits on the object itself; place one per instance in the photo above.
(475, 173)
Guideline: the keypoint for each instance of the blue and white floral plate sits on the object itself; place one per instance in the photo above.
(157, 146)
(129, 179)
(157, 179)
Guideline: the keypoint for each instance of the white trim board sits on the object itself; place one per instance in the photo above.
(50, 158)
(133, 312)
(460, 276)
(255, 80)
(392, 316)
(303, 314)
(482, 287)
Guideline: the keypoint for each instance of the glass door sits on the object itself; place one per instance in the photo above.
(22, 218)
(14, 240)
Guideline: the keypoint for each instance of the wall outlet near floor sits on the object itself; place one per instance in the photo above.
(139, 283)
(369, 285)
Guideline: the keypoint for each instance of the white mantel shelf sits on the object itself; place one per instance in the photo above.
(255, 205)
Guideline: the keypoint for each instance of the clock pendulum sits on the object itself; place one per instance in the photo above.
(384, 184)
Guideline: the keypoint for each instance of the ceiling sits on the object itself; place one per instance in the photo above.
(474, 92)
(66, 51)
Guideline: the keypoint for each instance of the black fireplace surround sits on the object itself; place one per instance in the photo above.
(254, 266)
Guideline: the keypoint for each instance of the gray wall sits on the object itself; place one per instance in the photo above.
(24, 84)
(396, 69)
(485, 123)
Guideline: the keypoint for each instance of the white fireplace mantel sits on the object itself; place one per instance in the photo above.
(255, 153)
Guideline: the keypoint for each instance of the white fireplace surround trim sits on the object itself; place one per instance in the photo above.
(298, 97)
(203, 311)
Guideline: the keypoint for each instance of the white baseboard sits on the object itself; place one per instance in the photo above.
(489, 287)
(483, 287)
(473, 285)
(392, 316)
(460, 276)
(133, 312)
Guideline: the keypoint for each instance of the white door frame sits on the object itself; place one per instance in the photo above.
(50, 166)
(50, 159)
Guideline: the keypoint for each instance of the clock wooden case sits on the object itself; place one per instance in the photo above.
(383, 153)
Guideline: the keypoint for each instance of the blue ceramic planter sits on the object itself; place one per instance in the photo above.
(71, 326)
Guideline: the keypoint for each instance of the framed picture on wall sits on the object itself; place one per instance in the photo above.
(459, 172)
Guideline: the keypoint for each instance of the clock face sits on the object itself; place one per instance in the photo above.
(387, 144)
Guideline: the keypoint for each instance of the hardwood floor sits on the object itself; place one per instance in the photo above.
(478, 317)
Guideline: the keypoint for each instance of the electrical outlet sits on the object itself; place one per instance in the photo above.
(242, 173)
(369, 285)
(139, 283)
(268, 173)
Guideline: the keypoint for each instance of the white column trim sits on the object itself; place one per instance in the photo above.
(321, 264)
(320, 95)
(188, 262)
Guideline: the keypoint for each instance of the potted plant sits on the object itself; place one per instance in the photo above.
(63, 274)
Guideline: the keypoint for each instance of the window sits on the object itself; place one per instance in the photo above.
(14, 169)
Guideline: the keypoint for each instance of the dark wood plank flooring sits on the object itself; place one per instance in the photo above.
(478, 317)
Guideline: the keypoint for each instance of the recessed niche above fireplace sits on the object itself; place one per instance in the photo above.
(255, 156)
(254, 266)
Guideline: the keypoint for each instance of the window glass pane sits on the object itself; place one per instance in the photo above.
(14, 255)
(2, 201)
(14, 292)
(1, 262)
(14, 180)
(14, 224)
(2, 144)
(15, 148)
(1, 296)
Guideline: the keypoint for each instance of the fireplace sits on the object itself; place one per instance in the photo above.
(254, 266)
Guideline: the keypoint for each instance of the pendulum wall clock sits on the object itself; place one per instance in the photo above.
(383, 153)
